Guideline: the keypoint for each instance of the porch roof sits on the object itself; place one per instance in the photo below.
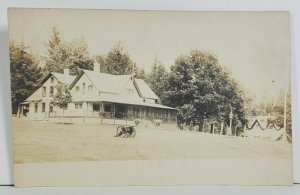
(122, 101)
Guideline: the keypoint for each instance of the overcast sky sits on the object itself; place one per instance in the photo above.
(255, 46)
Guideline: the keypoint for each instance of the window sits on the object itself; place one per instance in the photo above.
(96, 107)
(90, 87)
(51, 90)
(36, 107)
(83, 88)
(144, 100)
(78, 106)
(44, 91)
(52, 79)
(107, 108)
(77, 88)
(43, 107)
(51, 108)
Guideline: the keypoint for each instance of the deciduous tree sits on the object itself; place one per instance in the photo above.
(200, 88)
(62, 96)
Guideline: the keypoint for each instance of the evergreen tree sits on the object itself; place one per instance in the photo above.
(157, 80)
(25, 73)
(140, 73)
(118, 62)
(61, 54)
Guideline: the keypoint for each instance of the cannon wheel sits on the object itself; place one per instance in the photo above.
(133, 132)
(119, 131)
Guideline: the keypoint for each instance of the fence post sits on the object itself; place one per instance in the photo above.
(222, 126)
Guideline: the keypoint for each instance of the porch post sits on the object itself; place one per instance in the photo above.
(114, 113)
(140, 112)
(101, 110)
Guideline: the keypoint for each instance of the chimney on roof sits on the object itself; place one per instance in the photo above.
(66, 71)
(96, 67)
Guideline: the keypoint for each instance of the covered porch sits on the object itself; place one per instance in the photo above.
(112, 110)
(117, 111)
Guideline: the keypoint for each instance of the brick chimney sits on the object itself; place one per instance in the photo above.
(66, 71)
(96, 67)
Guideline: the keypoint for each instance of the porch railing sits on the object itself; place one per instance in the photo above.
(112, 115)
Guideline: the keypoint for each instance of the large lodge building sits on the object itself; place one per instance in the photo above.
(97, 96)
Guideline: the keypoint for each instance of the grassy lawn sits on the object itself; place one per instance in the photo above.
(37, 141)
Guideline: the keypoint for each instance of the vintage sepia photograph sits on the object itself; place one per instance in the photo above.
(128, 97)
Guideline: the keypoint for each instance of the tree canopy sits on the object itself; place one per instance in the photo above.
(200, 88)
(25, 73)
(117, 61)
(61, 54)
(157, 79)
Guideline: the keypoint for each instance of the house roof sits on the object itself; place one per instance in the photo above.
(118, 99)
(144, 89)
(114, 83)
(63, 78)
(107, 82)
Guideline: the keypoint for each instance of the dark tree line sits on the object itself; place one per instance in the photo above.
(25, 73)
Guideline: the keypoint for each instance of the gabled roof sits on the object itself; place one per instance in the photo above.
(144, 90)
(62, 78)
(104, 82)
(114, 83)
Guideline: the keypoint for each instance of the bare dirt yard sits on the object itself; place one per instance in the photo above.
(41, 141)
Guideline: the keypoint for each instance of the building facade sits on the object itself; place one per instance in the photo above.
(98, 95)
(39, 104)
